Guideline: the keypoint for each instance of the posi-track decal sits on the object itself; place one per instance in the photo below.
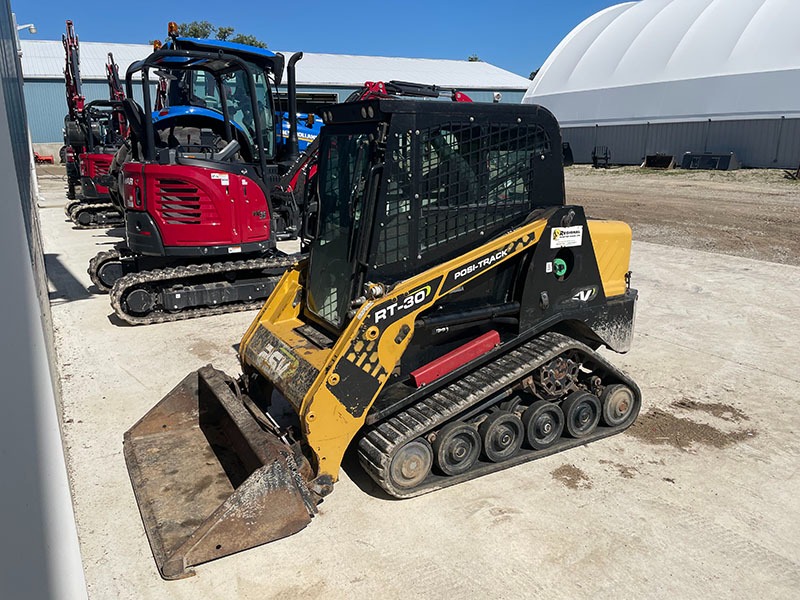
(566, 237)
(457, 277)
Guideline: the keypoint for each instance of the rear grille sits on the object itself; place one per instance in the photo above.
(181, 203)
(101, 167)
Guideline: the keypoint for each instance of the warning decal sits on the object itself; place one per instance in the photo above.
(566, 237)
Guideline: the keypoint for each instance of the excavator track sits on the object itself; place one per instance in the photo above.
(76, 202)
(95, 216)
(186, 279)
(483, 392)
(97, 262)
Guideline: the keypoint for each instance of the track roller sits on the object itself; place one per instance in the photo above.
(618, 404)
(456, 447)
(544, 423)
(581, 413)
(502, 433)
(411, 464)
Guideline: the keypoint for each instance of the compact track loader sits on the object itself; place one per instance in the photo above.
(443, 326)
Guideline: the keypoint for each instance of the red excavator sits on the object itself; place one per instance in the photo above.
(200, 222)
(75, 103)
(171, 268)
(93, 133)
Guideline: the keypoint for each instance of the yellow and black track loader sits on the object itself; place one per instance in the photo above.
(443, 326)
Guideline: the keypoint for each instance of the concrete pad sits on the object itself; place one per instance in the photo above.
(698, 499)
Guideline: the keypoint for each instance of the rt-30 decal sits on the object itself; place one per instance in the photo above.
(403, 304)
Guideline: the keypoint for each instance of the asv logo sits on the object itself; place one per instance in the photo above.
(585, 295)
(407, 303)
(275, 361)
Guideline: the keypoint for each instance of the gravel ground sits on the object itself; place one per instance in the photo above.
(754, 213)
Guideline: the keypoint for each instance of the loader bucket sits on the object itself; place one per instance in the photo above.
(209, 480)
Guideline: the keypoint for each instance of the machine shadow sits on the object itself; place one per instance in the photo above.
(67, 288)
(357, 475)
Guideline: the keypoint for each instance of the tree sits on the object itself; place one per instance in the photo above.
(196, 29)
(250, 40)
(474, 58)
(533, 74)
(205, 29)
(223, 33)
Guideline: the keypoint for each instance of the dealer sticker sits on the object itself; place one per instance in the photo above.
(566, 237)
(223, 178)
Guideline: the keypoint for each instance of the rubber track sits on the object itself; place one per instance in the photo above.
(377, 446)
(95, 208)
(70, 206)
(94, 264)
(172, 275)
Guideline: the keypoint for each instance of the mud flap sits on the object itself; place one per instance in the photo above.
(208, 479)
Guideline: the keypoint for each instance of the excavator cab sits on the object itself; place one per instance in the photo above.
(191, 158)
(443, 327)
(102, 139)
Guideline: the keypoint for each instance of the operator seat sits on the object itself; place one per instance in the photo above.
(135, 116)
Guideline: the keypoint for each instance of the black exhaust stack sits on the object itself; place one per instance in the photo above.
(291, 84)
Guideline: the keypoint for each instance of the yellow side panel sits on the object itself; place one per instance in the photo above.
(612, 248)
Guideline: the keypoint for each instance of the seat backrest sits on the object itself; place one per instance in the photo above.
(135, 116)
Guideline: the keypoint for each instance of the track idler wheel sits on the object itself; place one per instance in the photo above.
(544, 424)
(502, 433)
(82, 217)
(104, 270)
(140, 301)
(411, 464)
(581, 413)
(108, 272)
(70, 206)
(618, 404)
(456, 447)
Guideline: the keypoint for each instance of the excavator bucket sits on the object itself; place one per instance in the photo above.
(209, 480)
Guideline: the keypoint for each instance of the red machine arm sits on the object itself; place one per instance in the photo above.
(72, 72)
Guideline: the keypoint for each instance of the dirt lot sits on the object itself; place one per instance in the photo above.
(753, 213)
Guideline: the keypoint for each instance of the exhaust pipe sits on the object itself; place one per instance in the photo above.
(291, 84)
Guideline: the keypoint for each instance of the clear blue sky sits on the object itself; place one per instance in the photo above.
(515, 35)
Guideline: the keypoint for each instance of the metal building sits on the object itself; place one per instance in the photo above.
(676, 76)
(320, 78)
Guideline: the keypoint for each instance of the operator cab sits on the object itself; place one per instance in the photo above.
(405, 185)
(214, 99)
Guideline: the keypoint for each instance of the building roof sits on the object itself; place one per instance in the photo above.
(44, 59)
(675, 59)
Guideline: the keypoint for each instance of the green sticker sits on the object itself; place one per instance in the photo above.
(559, 267)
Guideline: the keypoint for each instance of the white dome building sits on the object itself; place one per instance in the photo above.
(674, 76)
